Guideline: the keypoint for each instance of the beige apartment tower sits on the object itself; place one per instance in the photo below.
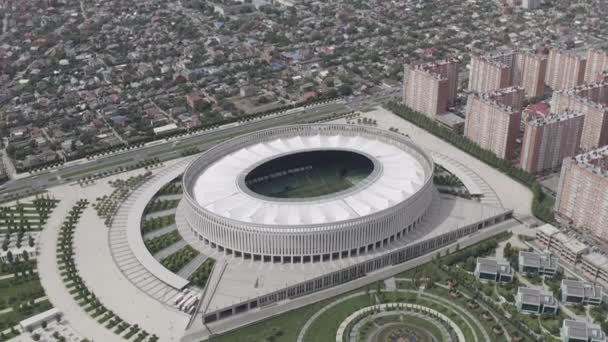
(492, 125)
(565, 69)
(592, 101)
(582, 196)
(512, 68)
(488, 74)
(547, 141)
(597, 64)
(432, 87)
(533, 74)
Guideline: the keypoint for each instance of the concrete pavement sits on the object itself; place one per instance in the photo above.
(241, 320)
(53, 285)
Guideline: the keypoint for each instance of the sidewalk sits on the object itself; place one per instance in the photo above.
(37, 300)
(53, 285)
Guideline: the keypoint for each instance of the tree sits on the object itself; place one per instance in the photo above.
(508, 250)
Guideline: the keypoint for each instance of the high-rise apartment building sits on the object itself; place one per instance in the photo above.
(565, 69)
(547, 141)
(592, 101)
(530, 4)
(582, 196)
(489, 73)
(532, 74)
(512, 68)
(597, 65)
(432, 87)
(511, 97)
(492, 125)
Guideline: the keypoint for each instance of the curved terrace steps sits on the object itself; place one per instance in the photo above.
(124, 256)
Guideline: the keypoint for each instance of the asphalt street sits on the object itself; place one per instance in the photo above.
(166, 150)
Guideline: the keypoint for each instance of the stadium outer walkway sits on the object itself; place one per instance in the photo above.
(53, 285)
(99, 271)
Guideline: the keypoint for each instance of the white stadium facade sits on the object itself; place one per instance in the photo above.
(292, 211)
(308, 193)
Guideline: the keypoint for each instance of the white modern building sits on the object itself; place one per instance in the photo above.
(257, 196)
(536, 301)
(580, 292)
(493, 270)
(533, 263)
(581, 331)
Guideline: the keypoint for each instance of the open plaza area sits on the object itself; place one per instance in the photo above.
(127, 257)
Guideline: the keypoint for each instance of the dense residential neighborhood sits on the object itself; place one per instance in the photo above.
(80, 76)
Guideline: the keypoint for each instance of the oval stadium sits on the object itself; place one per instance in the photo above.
(307, 193)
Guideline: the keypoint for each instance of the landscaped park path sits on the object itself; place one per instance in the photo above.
(431, 297)
(52, 282)
(98, 270)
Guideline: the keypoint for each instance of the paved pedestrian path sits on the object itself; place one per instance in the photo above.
(427, 296)
(159, 232)
(170, 250)
(54, 286)
(37, 300)
(192, 266)
(160, 213)
(8, 276)
(390, 284)
(170, 197)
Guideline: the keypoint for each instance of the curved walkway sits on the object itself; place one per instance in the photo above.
(127, 244)
(431, 297)
(102, 275)
(471, 180)
(53, 284)
(389, 309)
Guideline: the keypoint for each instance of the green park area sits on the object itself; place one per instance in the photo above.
(443, 285)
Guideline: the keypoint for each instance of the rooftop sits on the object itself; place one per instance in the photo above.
(582, 330)
(553, 118)
(540, 260)
(535, 296)
(595, 161)
(220, 185)
(597, 259)
(487, 265)
(581, 289)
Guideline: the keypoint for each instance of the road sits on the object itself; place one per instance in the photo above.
(166, 150)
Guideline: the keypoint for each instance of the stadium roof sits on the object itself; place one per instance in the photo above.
(400, 175)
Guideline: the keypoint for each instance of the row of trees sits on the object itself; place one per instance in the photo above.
(106, 206)
(542, 205)
(80, 291)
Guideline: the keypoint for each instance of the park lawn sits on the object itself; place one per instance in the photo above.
(289, 324)
(13, 318)
(14, 290)
(324, 328)
(553, 323)
(415, 323)
(454, 315)
(6, 269)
